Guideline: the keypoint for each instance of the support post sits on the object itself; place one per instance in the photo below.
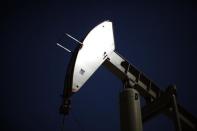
(171, 90)
(176, 114)
(130, 111)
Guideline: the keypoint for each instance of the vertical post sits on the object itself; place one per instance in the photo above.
(130, 111)
(176, 113)
(172, 92)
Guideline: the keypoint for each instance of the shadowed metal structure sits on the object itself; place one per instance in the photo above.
(98, 49)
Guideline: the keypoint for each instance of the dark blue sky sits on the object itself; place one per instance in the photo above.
(157, 37)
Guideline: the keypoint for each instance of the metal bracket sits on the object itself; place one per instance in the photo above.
(65, 107)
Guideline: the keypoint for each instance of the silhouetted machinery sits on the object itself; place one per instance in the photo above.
(98, 48)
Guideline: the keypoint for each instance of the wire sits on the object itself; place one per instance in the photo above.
(76, 120)
(74, 39)
(63, 47)
(62, 126)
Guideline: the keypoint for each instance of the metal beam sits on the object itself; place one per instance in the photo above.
(146, 87)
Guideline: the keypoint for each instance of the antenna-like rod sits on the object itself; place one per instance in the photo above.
(63, 47)
(74, 39)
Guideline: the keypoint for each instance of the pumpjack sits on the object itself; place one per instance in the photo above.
(98, 49)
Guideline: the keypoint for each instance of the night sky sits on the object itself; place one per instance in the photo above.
(157, 37)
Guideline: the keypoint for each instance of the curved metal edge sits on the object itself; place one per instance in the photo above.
(68, 81)
(67, 91)
(97, 46)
